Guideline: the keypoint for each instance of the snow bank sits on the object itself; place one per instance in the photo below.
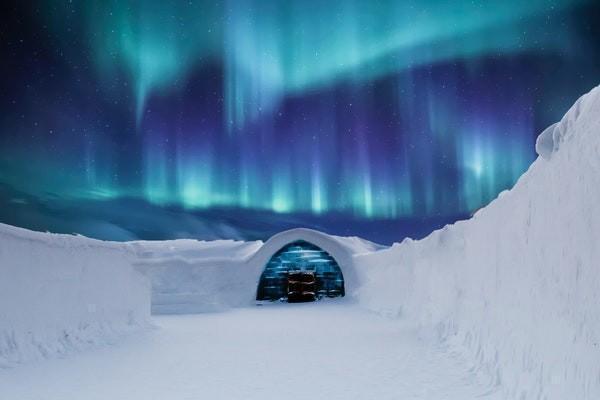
(61, 292)
(518, 285)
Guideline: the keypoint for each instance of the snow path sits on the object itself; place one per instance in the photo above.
(326, 350)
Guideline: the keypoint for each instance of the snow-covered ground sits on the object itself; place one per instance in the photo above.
(329, 350)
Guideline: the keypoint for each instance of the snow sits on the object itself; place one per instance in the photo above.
(190, 276)
(327, 350)
(60, 293)
(517, 287)
(546, 141)
(550, 140)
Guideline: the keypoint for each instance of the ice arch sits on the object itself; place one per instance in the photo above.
(341, 249)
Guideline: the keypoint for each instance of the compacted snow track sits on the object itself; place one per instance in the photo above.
(326, 350)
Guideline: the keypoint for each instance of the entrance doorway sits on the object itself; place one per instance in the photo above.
(290, 264)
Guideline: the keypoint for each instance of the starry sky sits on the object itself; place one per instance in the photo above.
(383, 119)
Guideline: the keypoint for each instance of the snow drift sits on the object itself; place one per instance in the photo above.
(63, 292)
(518, 285)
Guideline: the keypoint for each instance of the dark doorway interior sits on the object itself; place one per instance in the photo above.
(300, 256)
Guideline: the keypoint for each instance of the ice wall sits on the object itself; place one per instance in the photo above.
(59, 293)
(518, 285)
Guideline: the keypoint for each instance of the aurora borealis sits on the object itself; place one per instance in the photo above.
(357, 110)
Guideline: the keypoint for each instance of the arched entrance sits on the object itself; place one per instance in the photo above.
(297, 262)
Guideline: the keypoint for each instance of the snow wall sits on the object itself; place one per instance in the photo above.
(190, 276)
(59, 293)
(518, 285)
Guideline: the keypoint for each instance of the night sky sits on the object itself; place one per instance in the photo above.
(383, 119)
